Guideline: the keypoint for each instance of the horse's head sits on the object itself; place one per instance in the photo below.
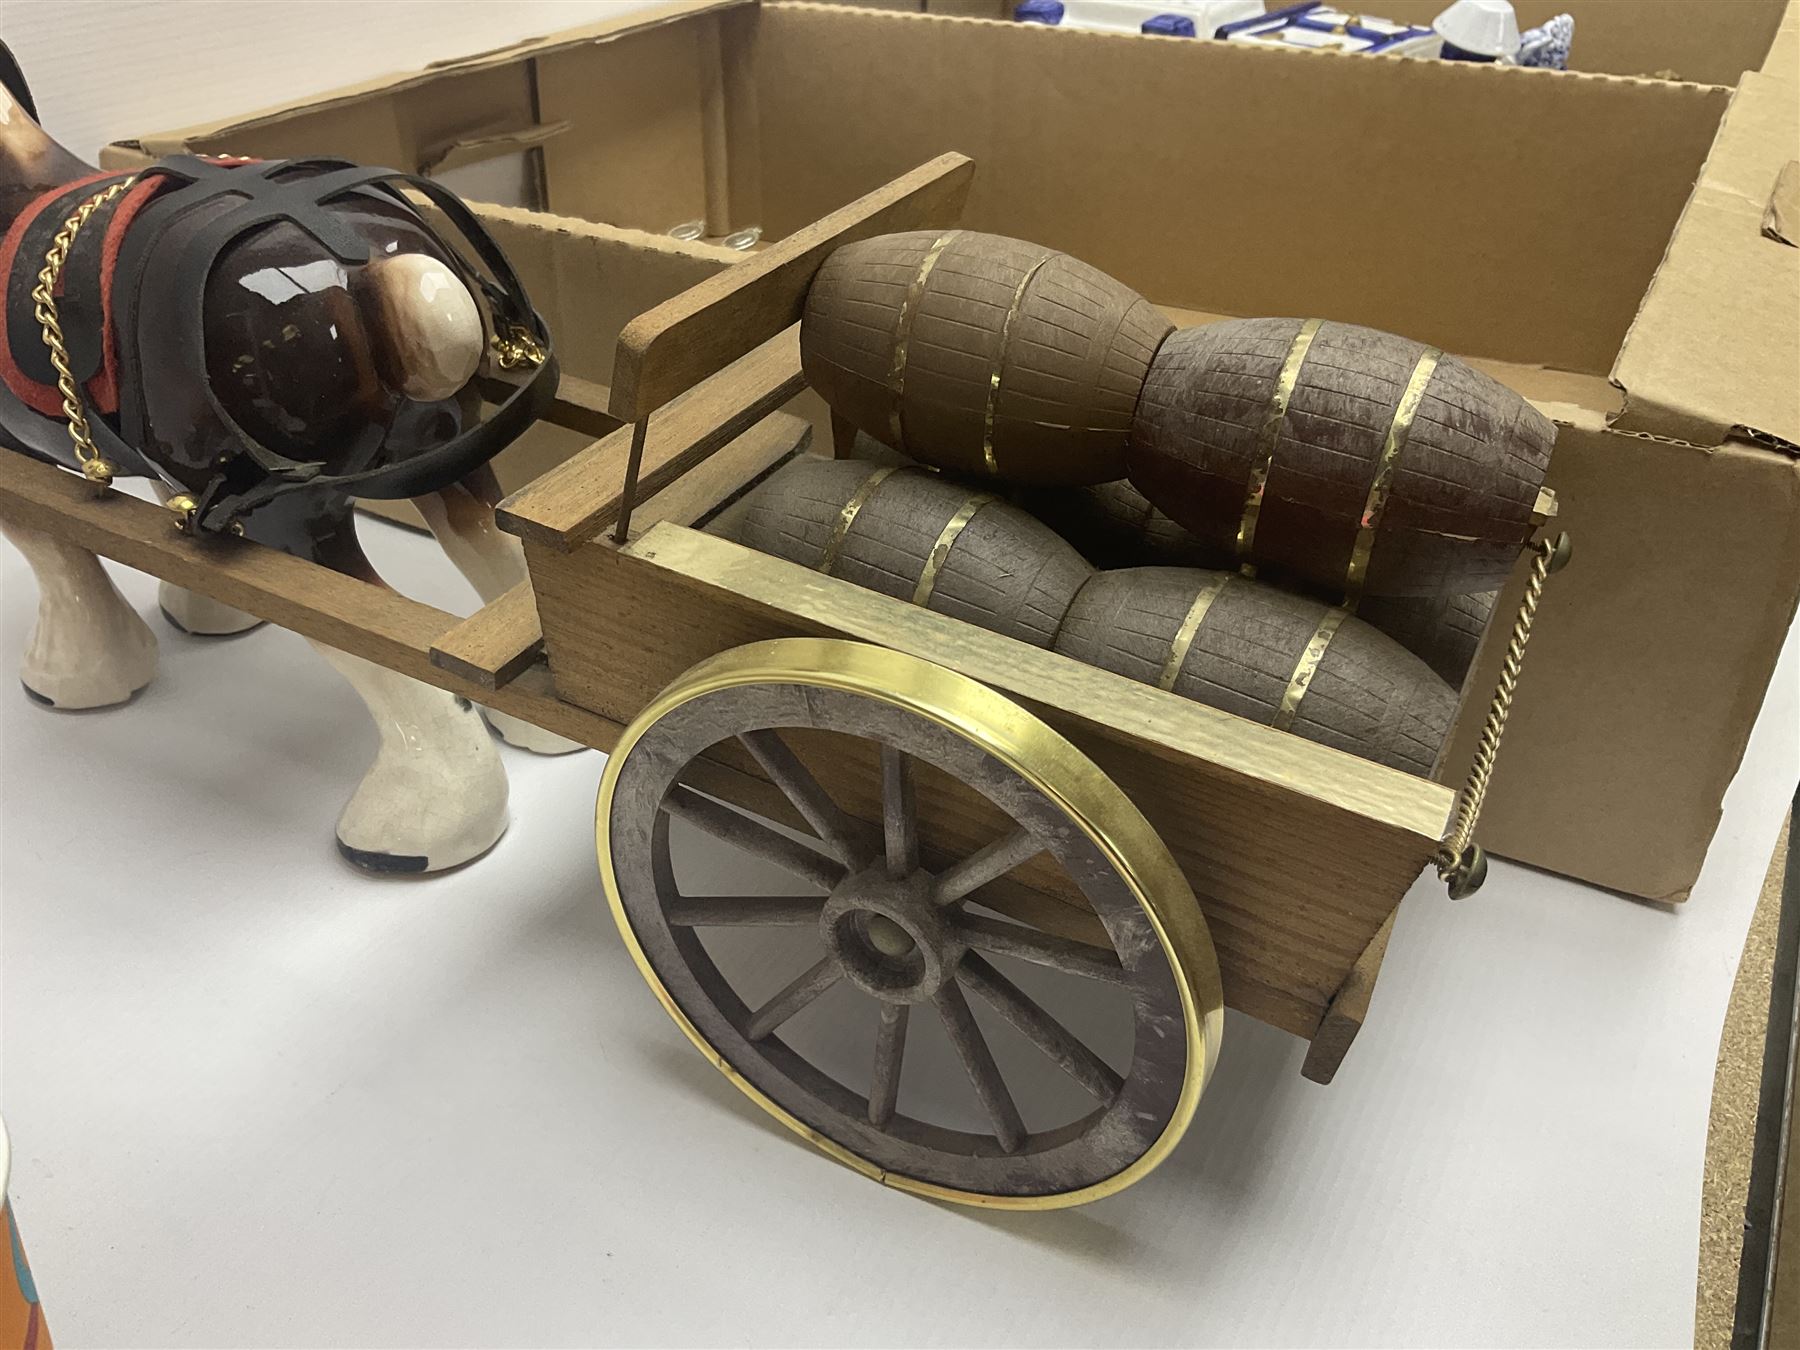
(251, 330)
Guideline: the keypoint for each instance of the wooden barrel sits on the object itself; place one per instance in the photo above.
(1276, 658)
(1443, 631)
(1339, 457)
(1115, 525)
(915, 536)
(981, 354)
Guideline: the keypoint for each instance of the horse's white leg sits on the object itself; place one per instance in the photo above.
(462, 518)
(89, 649)
(196, 614)
(201, 615)
(435, 797)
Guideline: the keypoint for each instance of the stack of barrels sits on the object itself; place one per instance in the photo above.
(1300, 522)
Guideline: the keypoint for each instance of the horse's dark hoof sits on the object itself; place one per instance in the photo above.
(181, 627)
(386, 864)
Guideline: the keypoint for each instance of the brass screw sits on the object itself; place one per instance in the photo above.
(184, 508)
(1470, 872)
(97, 471)
(1561, 551)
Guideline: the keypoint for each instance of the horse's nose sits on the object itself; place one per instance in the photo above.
(424, 323)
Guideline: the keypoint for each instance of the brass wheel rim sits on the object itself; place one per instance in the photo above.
(986, 724)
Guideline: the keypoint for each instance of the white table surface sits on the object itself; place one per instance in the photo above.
(258, 1099)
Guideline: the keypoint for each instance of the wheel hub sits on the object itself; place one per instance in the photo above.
(889, 935)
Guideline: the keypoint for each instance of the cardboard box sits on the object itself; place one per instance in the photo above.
(1669, 39)
(1594, 240)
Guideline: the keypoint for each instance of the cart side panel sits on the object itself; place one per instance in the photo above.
(1294, 882)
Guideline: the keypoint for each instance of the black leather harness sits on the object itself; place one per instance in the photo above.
(130, 264)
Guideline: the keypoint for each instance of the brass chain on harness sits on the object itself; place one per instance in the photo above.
(516, 348)
(1460, 862)
(94, 466)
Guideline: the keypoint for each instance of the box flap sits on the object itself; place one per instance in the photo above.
(637, 20)
(1783, 60)
(1715, 347)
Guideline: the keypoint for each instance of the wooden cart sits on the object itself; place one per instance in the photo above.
(950, 795)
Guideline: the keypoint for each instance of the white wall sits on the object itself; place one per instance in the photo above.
(106, 69)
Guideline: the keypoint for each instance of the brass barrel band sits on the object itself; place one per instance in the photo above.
(946, 540)
(1267, 435)
(1307, 667)
(903, 331)
(1397, 434)
(993, 393)
(1190, 626)
(847, 516)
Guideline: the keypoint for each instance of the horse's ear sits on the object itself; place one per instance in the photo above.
(14, 80)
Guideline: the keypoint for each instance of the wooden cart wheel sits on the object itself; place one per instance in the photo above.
(901, 929)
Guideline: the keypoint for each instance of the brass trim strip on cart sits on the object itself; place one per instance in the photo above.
(1307, 667)
(1190, 626)
(1266, 436)
(993, 393)
(946, 540)
(903, 331)
(1398, 432)
(847, 516)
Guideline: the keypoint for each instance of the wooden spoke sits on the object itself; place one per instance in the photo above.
(785, 770)
(743, 911)
(804, 988)
(740, 831)
(986, 864)
(890, 1049)
(899, 818)
(978, 1060)
(1041, 1029)
(999, 938)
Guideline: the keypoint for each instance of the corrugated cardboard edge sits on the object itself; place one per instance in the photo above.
(672, 11)
(1715, 346)
(1478, 70)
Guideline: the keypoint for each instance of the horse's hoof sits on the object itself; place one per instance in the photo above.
(91, 665)
(416, 813)
(526, 736)
(201, 616)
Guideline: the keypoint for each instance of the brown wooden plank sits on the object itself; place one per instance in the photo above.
(583, 495)
(1348, 1011)
(354, 616)
(496, 644)
(671, 348)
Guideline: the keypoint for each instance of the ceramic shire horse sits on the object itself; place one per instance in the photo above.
(266, 342)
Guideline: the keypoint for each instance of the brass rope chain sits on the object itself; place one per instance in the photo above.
(94, 466)
(1457, 863)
